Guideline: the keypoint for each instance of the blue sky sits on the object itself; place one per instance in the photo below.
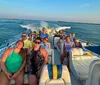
(64, 10)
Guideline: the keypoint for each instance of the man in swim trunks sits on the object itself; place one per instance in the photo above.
(37, 58)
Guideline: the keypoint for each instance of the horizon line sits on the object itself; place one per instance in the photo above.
(98, 23)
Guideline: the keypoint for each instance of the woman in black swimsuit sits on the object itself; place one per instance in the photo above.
(37, 58)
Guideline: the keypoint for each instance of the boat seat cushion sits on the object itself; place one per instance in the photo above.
(55, 75)
(77, 51)
(50, 55)
(54, 71)
(81, 65)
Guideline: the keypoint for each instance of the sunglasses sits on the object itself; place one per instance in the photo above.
(23, 36)
(37, 42)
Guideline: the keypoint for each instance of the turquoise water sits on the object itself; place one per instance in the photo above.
(10, 29)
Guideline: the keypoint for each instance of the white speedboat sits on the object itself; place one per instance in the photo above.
(85, 69)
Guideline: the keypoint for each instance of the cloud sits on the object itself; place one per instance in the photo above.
(85, 5)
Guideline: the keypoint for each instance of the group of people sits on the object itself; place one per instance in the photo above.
(69, 41)
(29, 55)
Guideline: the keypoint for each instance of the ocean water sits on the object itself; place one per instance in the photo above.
(11, 29)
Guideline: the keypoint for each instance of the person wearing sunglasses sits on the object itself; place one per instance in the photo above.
(27, 43)
(37, 58)
(45, 44)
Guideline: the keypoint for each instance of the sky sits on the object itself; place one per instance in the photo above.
(59, 10)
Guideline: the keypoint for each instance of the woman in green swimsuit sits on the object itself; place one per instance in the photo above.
(12, 64)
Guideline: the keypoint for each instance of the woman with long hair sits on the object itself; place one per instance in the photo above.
(12, 64)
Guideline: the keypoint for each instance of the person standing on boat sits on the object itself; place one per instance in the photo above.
(12, 64)
(27, 43)
(44, 34)
(37, 58)
(66, 49)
